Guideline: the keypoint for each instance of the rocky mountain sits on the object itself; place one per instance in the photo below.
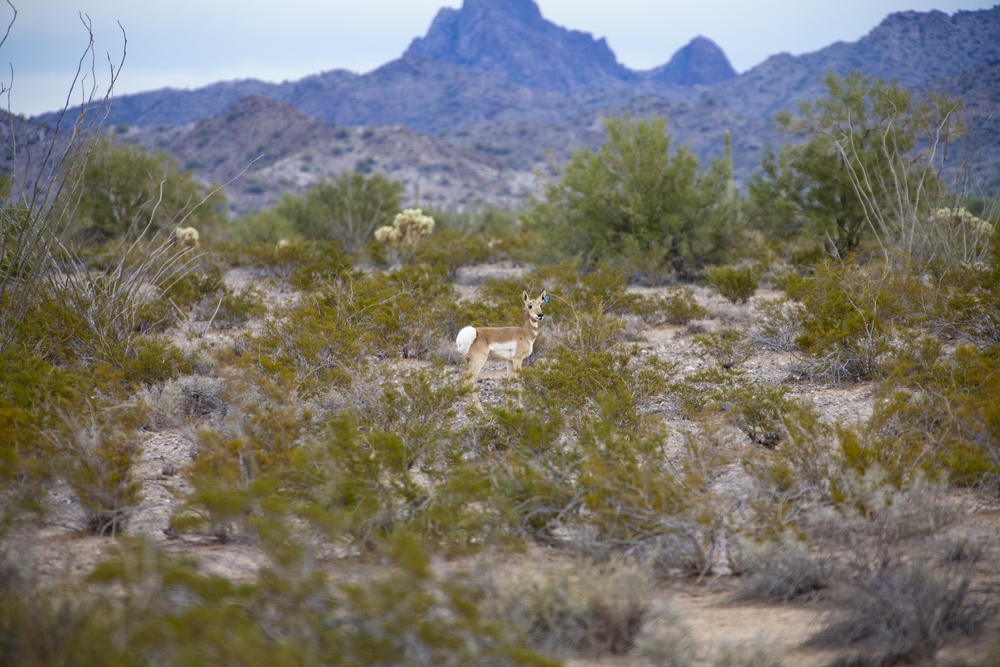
(700, 63)
(512, 41)
(501, 94)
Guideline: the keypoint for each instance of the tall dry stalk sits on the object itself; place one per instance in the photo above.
(45, 183)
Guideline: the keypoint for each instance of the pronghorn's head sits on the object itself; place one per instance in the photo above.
(534, 306)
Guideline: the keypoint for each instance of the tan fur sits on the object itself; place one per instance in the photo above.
(513, 344)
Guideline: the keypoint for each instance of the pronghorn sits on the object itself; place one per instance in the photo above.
(512, 344)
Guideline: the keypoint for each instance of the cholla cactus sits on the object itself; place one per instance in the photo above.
(961, 217)
(186, 236)
(407, 229)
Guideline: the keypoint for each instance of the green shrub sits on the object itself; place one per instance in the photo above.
(187, 290)
(617, 380)
(142, 603)
(737, 284)
(634, 205)
(677, 306)
(778, 324)
(851, 315)
(29, 385)
(453, 249)
(728, 348)
(265, 227)
(98, 449)
(577, 607)
(942, 412)
(232, 309)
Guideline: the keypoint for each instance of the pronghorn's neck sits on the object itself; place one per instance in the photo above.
(529, 324)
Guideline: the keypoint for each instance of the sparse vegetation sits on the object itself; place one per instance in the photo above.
(327, 453)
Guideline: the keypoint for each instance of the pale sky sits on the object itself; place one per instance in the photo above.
(192, 43)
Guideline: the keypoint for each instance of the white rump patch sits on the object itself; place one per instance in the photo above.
(466, 337)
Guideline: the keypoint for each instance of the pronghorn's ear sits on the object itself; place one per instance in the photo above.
(543, 297)
(524, 296)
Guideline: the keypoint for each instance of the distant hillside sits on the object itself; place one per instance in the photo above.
(502, 92)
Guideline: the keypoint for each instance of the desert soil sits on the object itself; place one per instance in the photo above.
(62, 549)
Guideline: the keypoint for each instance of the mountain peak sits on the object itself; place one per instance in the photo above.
(511, 39)
(700, 62)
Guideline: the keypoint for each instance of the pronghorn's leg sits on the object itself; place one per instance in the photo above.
(515, 365)
(476, 361)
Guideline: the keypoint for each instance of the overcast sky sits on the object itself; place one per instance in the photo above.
(191, 43)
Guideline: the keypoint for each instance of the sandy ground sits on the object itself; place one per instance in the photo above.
(61, 549)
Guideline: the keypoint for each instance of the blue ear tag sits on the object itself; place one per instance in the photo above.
(547, 297)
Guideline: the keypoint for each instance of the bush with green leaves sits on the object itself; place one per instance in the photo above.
(97, 448)
(265, 226)
(634, 205)
(577, 608)
(142, 603)
(778, 324)
(617, 378)
(941, 412)
(29, 386)
(737, 284)
(867, 171)
(852, 316)
(676, 305)
(318, 342)
(126, 192)
(346, 210)
(728, 348)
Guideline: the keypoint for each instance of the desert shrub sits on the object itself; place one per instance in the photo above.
(670, 516)
(728, 348)
(455, 248)
(903, 611)
(187, 400)
(617, 380)
(100, 321)
(319, 342)
(851, 315)
(98, 448)
(676, 306)
(737, 284)
(758, 409)
(263, 227)
(944, 411)
(232, 309)
(415, 404)
(971, 306)
(346, 210)
(746, 654)
(778, 324)
(780, 571)
(530, 471)
(63, 625)
(635, 205)
(142, 603)
(29, 386)
(301, 264)
(578, 607)
(961, 548)
(127, 191)
(191, 288)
